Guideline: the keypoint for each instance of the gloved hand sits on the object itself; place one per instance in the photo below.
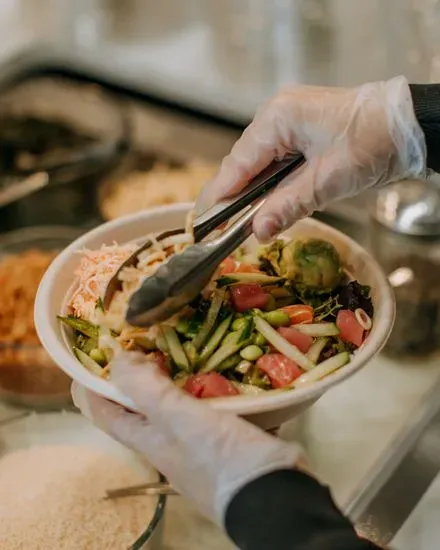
(206, 455)
(353, 139)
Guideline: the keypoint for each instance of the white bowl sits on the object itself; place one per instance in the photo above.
(267, 411)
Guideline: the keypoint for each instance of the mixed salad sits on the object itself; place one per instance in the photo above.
(279, 320)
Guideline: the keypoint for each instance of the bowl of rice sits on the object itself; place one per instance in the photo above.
(58, 462)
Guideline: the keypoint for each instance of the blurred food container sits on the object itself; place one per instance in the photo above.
(59, 462)
(77, 133)
(405, 238)
(146, 181)
(139, 21)
(28, 377)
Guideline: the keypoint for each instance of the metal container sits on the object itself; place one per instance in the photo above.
(405, 238)
(70, 197)
(70, 428)
(28, 377)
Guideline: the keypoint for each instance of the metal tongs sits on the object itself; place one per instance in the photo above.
(178, 281)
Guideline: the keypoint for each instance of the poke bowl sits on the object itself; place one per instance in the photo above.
(272, 401)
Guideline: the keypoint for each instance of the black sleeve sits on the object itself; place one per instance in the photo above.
(426, 101)
(289, 510)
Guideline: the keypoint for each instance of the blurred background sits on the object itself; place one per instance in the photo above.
(228, 56)
(111, 106)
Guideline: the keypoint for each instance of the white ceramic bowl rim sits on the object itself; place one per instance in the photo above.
(52, 339)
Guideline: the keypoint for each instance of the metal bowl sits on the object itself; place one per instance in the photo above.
(69, 427)
(28, 376)
(75, 167)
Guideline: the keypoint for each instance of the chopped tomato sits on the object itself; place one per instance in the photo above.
(246, 297)
(302, 341)
(233, 266)
(349, 327)
(208, 385)
(281, 370)
(299, 314)
(161, 361)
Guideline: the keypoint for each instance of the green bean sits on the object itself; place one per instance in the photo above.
(277, 318)
(251, 353)
(98, 355)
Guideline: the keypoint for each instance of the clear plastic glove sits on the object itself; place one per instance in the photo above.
(206, 455)
(353, 140)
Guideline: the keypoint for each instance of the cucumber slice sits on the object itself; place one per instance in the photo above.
(318, 329)
(229, 363)
(214, 341)
(316, 349)
(223, 352)
(190, 352)
(323, 369)
(248, 278)
(177, 352)
(282, 345)
(211, 318)
(87, 362)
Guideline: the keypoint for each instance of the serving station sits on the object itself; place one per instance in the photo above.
(128, 115)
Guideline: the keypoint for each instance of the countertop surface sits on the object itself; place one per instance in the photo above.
(344, 434)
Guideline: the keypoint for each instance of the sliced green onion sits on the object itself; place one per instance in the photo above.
(318, 329)
(363, 319)
(282, 345)
(323, 369)
(316, 349)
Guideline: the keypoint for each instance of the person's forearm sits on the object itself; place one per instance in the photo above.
(426, 100)
(289, 510)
